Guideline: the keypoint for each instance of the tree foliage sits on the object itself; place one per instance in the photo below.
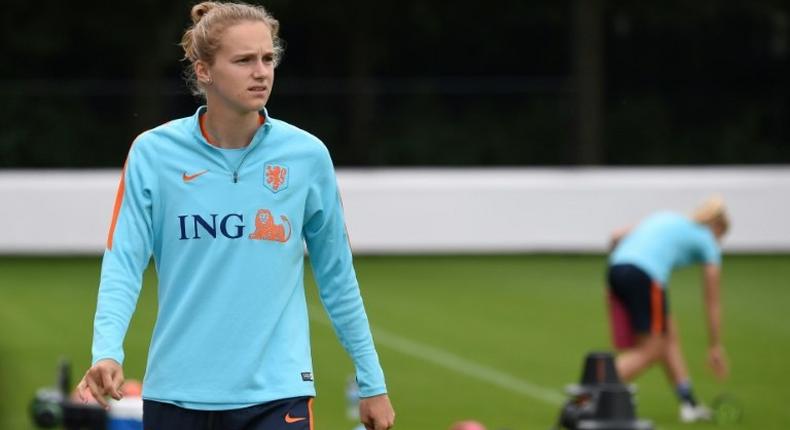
(416, 83)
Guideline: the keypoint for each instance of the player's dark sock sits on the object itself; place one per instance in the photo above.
(685, 393)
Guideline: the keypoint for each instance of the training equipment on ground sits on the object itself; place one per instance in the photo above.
(601, 401)
(467, 425)
(726, 409)
(52, 407)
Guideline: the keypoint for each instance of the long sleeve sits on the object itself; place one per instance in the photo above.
(129, 247)
(330, 255)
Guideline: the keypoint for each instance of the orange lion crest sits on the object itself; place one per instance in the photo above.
(266, 229)
(276, 177)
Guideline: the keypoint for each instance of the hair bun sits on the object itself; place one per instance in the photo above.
(201, 9)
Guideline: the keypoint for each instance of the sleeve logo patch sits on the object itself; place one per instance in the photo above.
(307, 376)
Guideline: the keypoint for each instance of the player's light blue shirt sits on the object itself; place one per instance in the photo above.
(665, 241)
(227, 232)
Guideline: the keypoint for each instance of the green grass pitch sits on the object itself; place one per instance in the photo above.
(493, 338)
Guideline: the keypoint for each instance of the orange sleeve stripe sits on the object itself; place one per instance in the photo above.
(345, 225)
(657, 309)
(117, 208)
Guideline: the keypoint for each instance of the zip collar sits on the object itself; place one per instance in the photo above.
(258, 136)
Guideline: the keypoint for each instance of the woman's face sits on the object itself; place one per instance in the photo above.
(243, 71)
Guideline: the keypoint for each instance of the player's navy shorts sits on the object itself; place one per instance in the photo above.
(286, 414)
(637, 304)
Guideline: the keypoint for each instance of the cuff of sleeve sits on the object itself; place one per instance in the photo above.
(117, 359)
(370, 377)
(372, 392)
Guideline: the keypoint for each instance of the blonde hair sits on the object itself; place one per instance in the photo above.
(201, 40)
(713, 211)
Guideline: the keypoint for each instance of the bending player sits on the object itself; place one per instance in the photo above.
(640, 265)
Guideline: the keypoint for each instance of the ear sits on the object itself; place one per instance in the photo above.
(202, 73)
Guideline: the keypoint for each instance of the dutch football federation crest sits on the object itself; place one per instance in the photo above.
(275, 177)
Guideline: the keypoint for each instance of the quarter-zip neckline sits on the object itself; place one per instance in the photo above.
(265, 124)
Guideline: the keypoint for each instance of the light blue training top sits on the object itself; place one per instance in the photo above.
(665, 241)
(227, 233)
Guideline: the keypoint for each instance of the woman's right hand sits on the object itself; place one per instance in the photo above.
(717, 359)
(103, 379)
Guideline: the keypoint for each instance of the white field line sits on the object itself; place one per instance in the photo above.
(461, 365)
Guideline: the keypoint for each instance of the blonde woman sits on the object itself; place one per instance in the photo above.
(225, 201)
(640, 266)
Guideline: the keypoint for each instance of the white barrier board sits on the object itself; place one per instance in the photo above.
(440, 210)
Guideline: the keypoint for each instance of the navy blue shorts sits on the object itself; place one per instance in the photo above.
(641, 299)
(286, 414)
